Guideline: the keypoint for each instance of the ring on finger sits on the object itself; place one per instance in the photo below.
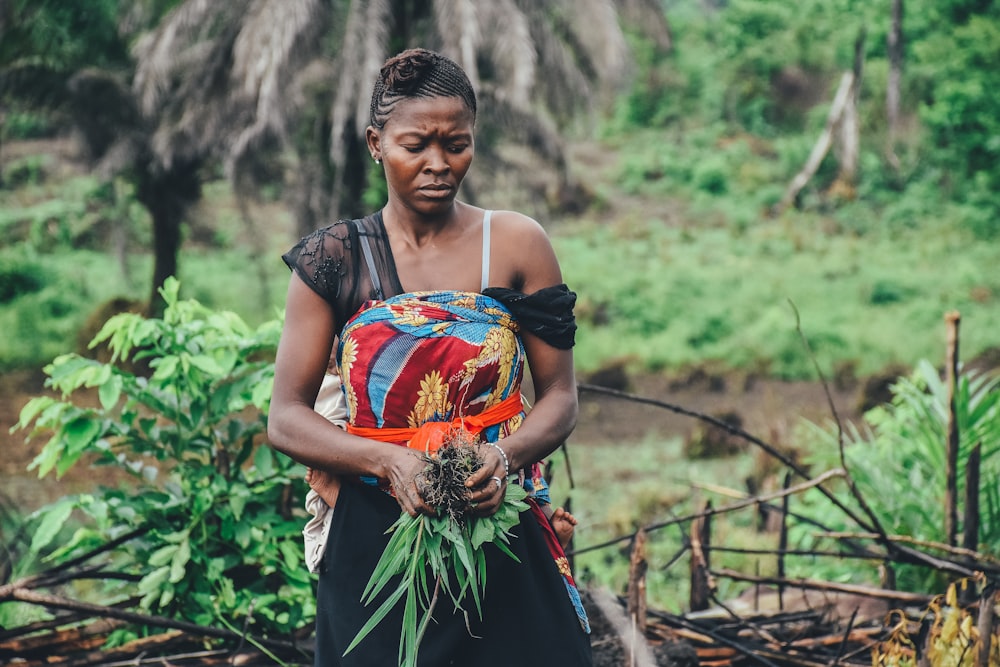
(498, 481)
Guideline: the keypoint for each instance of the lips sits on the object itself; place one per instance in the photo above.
(436, 190)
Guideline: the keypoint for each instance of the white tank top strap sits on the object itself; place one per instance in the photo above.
(485, 282)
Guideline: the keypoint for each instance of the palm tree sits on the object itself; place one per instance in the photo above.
(242, 81)
(224, 77)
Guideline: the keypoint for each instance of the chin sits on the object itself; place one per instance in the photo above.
(434, 206)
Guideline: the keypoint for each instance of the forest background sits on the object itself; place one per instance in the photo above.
(655, 141)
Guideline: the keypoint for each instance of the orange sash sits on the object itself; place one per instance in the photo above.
(429, 436)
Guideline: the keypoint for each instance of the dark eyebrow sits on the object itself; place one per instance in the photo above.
(414, 134)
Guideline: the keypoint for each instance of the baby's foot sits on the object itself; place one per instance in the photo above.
(564, 525)
(325, 484)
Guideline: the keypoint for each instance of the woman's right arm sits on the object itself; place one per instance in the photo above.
(295, 429)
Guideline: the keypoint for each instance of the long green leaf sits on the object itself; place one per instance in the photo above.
(53, 520)
(377, 616)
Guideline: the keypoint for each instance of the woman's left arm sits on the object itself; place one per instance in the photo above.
(532, 264)
(553, 415)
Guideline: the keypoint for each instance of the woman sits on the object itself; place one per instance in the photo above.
(435, 305)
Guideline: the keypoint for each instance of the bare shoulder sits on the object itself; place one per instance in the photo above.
(515, 223)
(523, 248)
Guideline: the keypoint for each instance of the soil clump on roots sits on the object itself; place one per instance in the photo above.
(442, 482)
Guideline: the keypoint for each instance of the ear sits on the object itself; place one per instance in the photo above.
(374, 141)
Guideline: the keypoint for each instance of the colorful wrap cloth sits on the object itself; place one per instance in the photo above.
(420, 359)
(429, 436)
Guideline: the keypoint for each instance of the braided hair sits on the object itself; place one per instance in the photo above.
(418, 73)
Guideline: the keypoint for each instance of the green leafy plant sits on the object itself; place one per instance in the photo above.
(181, 408)
(439, 553)
(898, 460)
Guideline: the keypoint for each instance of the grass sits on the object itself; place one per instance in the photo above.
(677, 264)
(625, 485)
(57, 269)
(672, 276)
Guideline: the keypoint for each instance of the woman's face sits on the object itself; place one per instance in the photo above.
(426, 148)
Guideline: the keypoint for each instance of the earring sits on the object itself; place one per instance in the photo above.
(377, 161)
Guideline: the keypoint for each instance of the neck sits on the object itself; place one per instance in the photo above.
(416, 229)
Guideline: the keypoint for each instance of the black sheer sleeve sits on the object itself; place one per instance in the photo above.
(323, 261)
(329, 261)
(547, 313)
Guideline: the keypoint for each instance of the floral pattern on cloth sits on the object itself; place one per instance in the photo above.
(436, 357)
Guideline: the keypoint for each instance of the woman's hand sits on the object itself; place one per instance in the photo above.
(403, 472)
(488, 485)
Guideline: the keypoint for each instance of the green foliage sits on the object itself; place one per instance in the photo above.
(427, 554)
(26, 171)
(80, 212)
(717, 290)
(26, 125)
(63, 35)
(898, 460)
(962, 109)
(181, 407)
(19, 277)
(645, 481)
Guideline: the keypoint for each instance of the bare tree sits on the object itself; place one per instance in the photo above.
(892, 96)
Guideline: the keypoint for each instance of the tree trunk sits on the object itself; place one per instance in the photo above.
(167, 195)
(892, 95)
(850, 131)
(840, 100)
(311, 200)
(354, 179)
(952, 319)
(314, 189)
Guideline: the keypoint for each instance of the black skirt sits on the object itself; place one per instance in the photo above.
(528, 619)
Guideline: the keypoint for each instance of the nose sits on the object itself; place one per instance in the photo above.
(436, 160)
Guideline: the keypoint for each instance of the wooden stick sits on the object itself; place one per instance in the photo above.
(99, 611)
(701, 584)
(813, 584)
(981, 558)
(798, 488)
(636, 591)
(783, 543)
(773, 451)
(951, 320)
(985, 626)
(970, 525)
(822, 145)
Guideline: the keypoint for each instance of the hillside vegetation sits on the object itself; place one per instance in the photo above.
(673, 242)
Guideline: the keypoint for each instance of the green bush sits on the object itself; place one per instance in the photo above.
(29, 170)
(19, 277)
(897, 459)
(181, 407)
(26, 125)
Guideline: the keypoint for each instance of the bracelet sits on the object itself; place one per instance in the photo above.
(503, 455)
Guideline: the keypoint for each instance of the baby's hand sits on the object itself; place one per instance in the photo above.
(564, 525)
